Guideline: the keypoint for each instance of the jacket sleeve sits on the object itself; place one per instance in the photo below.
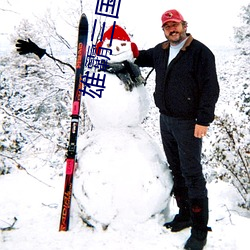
(145, 58)
(208, 87)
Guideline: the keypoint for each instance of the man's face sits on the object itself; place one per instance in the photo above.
(174, 32)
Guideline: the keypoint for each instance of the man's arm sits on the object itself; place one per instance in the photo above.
(208, 87)
(145, 58)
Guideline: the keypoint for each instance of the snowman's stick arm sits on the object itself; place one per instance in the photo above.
(57, 60)
(25, 47)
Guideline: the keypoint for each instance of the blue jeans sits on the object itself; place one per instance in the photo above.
(183, 152)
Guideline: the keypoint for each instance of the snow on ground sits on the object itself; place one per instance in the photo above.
(37, 208)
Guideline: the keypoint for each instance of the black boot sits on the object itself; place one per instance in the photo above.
(199, 215)
(181, 220)
(197, 240)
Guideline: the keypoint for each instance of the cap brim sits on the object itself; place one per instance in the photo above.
(172, 20)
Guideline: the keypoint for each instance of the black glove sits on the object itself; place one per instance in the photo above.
(135, 73)
(24, 47)
(128, 72)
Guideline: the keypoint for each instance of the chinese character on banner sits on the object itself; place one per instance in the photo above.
(102, 52)
(102, 32)
(97, 56)
(101, 64)
(91, 81)
(109, 8)
(93, 61)
(91, 54)
(96, 52)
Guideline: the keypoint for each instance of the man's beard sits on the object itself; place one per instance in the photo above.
(182, 36)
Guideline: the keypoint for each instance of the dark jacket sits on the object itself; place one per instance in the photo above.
(188, 87)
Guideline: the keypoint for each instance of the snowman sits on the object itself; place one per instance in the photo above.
(122, 178)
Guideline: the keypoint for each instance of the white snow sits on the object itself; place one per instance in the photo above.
(120, 164)
(122, 177)
(36, 204)
(37, 208)
(117, 107)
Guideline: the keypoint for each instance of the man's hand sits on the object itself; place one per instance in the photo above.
(200, 131)
(24, 47)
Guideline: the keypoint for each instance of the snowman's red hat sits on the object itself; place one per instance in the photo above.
(119, 34)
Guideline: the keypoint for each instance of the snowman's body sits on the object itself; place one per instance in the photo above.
(122, 177)
(118, 107)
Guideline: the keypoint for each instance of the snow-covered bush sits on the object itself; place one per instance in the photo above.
(230, 139)
(35, 98)
(231, 153)
(242, 33)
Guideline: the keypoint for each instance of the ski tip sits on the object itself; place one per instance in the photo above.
(83, 16)
(83, 20)
(83, 24)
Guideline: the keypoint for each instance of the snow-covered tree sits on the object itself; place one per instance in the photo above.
(35, 103)
(242, 33)
(36, 95)
(230, 154)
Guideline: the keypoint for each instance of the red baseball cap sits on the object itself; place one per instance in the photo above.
(171, 16)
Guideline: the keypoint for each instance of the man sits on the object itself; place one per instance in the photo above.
(186, 93)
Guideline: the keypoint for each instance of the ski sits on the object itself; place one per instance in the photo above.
(71, 160)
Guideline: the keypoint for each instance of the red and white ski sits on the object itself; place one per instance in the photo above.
(71, 153)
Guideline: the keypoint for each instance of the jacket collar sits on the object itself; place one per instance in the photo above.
(166, 44)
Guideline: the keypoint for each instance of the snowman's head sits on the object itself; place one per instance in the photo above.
(121, 46)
